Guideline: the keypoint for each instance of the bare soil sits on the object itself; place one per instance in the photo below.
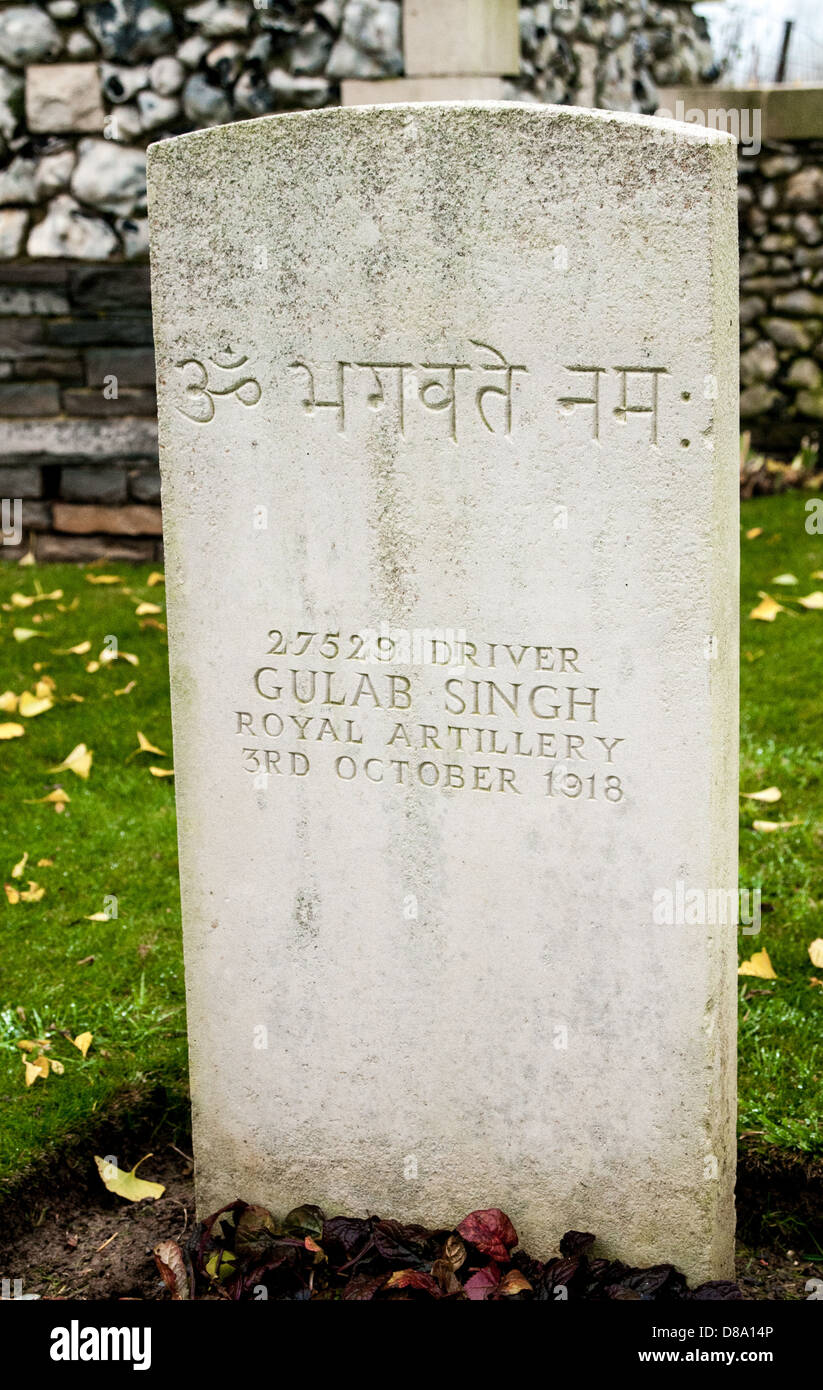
(79, 1241)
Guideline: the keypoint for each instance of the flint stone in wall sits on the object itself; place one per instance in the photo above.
(167, 76)
(63, 97)
(369, 44)
(800, 302)
(808, 228)
(805, 189)
(11, 101)
(110, 177)
(63, 9)
(804, 372)
(134, 234)
(67, 230)
(218, 18)
(760, 363)
(788, 333)
(810, 403)
(204, 104)
(130, 29)
(122, 83)
(27, 35)
(79, 44)
(156, 111)
(13, 223)
(53, 173)
(757, 400)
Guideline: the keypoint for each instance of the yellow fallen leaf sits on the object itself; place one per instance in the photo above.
(98, 917)
(11, 731)
(156, 577)
(12, 893)
(816, 952)
(144, 608)
(768, 794)
(127, 689)
(755, 531)
(143, 746)
(28, 559)
(759, 965)
(814, 600)
(45, 686)
(33, 893)
(767, 610)
(79, 650)
(83, 1042)
(93, 666)
(128, 1185)
(161, 771)
(28, 1046)
(58, 796)
(39, 1067)
(785, 579)
(17, 871)
(78, 761)
(24, 634)
(8, 702)
(45, 863)
(768, 825)
(30, 705)
(103, 578)
(57, 1066)
(107, 657)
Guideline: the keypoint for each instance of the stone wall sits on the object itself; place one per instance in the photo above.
(83, 89)
(781, 287)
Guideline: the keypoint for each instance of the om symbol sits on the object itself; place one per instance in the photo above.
(200, 393)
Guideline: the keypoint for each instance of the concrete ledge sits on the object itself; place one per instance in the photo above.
(386, 91)
(787, 111)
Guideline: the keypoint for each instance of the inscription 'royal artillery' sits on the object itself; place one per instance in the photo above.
(437, 393)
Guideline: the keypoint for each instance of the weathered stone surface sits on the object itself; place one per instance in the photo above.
(24, 481)
(355, 92)
(522, 1030)
(451, 37)
(68, 230)
(129, 401)
(58, 440)
(131, 366)
(27, 35)
(82, 549)
(102, 484)
(144, 485)
(53, 173)
(110, 177)
(64, 97)
(29, 398)
(131, 520)
(167, 76)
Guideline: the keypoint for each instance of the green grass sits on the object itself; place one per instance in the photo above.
(781, 737)
(116, 836)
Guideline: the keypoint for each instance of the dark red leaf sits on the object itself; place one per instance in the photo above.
(490, 1231)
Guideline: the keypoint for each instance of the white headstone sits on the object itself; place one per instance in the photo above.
(449, 449)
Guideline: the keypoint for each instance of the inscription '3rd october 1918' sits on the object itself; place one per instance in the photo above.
(480, 393)
(469, 716)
